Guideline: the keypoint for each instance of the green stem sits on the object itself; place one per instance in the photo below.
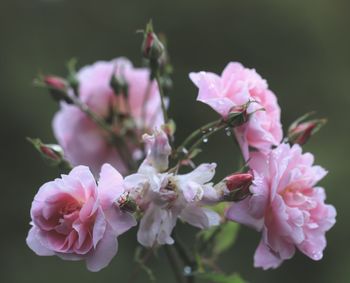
(140, 265)
(162, 98)
(199, 132)
(144, 102)
(199, 140)
(174, 263)
(118, 141)
(186, 257)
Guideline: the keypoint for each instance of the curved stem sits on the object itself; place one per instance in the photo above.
(124, 151)
(162, 98)
(140, 266)
(174, 263)
(199, 140)
(198, 132)
(144, 102)
(186, 257)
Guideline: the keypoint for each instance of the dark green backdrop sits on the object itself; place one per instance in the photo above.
(301, 47)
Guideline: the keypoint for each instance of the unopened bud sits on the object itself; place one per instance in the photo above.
(152, 47)
(55, 82)
(125, 203)
(119, 85)
(158, 150)
(52, 153)
(237, 186)
(300, 132)
(57, 87)
(239, 114)
(238, 180)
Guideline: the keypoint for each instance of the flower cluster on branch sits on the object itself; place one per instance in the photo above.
(124, 168)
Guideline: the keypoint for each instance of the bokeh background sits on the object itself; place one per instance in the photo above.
(301, 47)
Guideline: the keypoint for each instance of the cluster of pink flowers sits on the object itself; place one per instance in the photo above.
(77, 218)
(81, 139)
(285, 204)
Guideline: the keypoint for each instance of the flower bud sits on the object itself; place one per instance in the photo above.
(152, 47)
(158, 150)
(238, 116)
(236, 186)
(55, 82)
(57, 87)
(238, 180)
(52, 153)
(119, 85)
(300, 132)
(125, 203)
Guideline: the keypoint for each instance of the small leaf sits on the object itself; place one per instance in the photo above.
(226, 238)
(220, 207)
(217, 239)
(221, 278)
(194, 153)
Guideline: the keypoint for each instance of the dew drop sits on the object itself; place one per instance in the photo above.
(210, 129)
(228, 132)
(205, 140)
(187, 270)
(317, 255)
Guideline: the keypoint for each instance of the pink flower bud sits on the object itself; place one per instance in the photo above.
(238, 181)
(55, 82)
(152, 47)
(49, 152)
(57, 87)
(52, 153)
(238, 115)
(300, 133)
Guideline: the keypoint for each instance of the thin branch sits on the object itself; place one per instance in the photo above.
(174, 263)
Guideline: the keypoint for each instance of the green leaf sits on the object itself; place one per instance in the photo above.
(218, 239)
(220, 208)
(221, 278)
(226, 238)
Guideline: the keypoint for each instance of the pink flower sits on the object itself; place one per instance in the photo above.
(83, 141)
(286, 206)
(236, 86)
(76, 219)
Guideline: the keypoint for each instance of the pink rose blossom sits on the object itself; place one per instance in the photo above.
(83, 141)
(76, 219)
(236, 86)
(286, 206)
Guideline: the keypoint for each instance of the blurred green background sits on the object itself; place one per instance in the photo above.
(301, 47)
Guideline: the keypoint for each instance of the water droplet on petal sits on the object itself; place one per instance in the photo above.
(317, 255)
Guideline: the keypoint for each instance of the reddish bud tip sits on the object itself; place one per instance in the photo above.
(152, 47)
(300, 133)
(49, 152)
(238, 181)
(55, 82)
